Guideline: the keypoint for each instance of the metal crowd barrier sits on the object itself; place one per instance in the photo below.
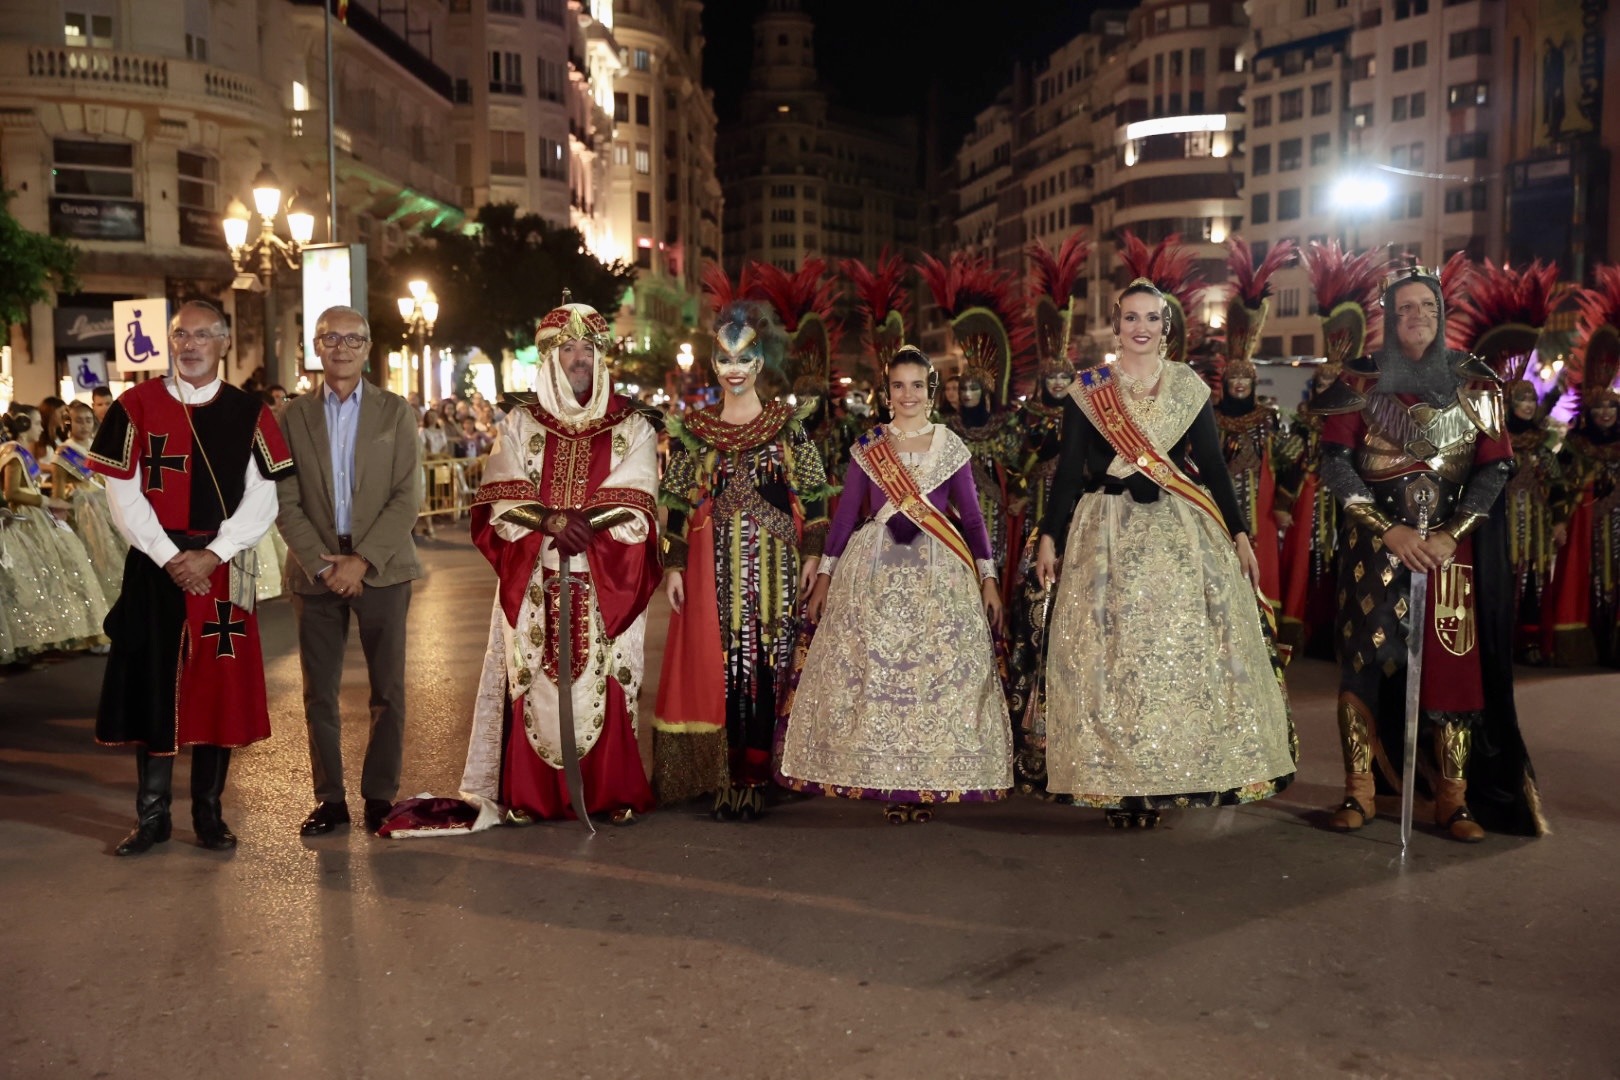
(448, 485)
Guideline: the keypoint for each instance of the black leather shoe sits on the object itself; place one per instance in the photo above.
(376, 813)
(324, 818)
(145, 835)
(214, 834)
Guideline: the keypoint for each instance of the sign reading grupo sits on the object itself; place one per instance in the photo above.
(97, 219)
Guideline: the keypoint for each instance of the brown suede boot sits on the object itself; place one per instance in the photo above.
(1451, 811)
(1359, 805)
(1355, 740)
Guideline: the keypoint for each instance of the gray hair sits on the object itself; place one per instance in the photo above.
(342, 309)
(203, 305)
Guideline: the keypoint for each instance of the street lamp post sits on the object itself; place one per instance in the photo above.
(271, 251)
(420, 310)
(684, 360)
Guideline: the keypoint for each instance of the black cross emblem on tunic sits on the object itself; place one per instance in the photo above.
(225, 629)
(156, 461)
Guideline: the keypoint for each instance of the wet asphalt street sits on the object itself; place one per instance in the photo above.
(1010, 941)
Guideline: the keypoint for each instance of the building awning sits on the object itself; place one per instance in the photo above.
(1308, 44)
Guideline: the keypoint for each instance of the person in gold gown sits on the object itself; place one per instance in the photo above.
(1163, 689)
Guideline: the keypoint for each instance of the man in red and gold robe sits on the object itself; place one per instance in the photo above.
(572, 476)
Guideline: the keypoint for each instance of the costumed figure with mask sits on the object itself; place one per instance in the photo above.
(1500, 319)
(1584, 624)
(1346, 287)
(876, 709)
(804, 301)
(569, 488)
(75, 484)
(60, 603)
(1416, 451)
(747, 501)
(1163, 689)
(991, 328)
(1251, 426)
(1053, 277)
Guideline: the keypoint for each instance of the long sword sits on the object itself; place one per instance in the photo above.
(565, 666)
(1419, 604)
(565, 691)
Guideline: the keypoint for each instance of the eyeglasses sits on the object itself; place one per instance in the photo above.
(332, 341)
(201, 337)
(1428, 307)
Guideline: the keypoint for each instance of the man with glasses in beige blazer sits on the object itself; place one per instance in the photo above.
(347, 520)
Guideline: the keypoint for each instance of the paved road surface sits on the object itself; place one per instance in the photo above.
(1021, 940)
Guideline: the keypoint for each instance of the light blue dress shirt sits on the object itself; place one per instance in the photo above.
(342, 430)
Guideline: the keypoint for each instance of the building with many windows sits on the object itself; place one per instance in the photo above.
(128, 127)
(804, 178)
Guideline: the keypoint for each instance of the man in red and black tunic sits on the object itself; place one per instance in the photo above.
(191, 464)
(1414, 447)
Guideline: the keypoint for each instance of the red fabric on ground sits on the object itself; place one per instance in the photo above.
(612, 771)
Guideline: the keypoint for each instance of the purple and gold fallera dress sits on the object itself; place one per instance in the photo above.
(897, 696)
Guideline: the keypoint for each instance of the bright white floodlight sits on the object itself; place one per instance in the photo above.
(1359, 192)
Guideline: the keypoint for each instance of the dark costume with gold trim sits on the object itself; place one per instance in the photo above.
(1399, 432)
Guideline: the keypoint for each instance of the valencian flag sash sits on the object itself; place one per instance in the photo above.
(876, 454)
(1097, 393)
(74, 460)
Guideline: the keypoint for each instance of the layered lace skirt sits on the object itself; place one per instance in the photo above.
(1162, 688)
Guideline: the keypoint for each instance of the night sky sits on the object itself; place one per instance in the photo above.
(880, 56)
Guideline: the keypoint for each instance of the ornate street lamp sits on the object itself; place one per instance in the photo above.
(268, 249)
(420, 310)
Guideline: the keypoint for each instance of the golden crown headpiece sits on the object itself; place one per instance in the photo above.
(572, 322)
(1427, 275)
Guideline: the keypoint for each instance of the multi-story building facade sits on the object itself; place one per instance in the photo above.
(804, 178)
(661, 210)
(127, 127)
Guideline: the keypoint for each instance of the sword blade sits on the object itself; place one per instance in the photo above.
(1419, 604)
(565, 692)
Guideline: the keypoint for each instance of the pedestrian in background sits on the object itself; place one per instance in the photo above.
(347, 520)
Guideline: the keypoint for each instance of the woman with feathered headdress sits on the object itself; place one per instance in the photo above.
(1584, 625)
(747, 501)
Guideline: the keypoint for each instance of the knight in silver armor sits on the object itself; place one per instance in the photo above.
(1416, 452)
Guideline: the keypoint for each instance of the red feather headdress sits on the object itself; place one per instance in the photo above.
(883, 300)
(986, 315)
(1598, 358)
(1347, 287)
(1052, 278)
(1455, 278)
(1501, 316)
(804, 301)
(1246, 309)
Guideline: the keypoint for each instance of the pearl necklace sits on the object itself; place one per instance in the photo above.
(895, 430)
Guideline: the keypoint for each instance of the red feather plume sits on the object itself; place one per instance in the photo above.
(880, 293)
(1054, 275)
(973, 281)
(721, 290)
(1169, 264)
(1250, 283)
(1339, 277)
(1597, 359)
(1500, 295)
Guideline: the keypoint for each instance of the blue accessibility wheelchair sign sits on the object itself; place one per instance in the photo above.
(141, 328)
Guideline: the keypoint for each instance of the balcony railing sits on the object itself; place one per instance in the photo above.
(132, 74)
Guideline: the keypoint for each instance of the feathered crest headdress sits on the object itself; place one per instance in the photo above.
(1346, 287)
(721, 290)
(1598, 358)
(1052, 278)
(883, 301)
(1455, 278)
(804, 302)
(1172, 268)
(1501, 316)
(986, 316)
(1248, 305)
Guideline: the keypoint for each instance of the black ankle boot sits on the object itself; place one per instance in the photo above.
(209, 765)
(153, 776)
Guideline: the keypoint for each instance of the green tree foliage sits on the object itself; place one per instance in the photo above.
(31, 266)
(495, 281)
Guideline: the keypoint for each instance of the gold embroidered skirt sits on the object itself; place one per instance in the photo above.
(899, 695)
(1160, 687)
